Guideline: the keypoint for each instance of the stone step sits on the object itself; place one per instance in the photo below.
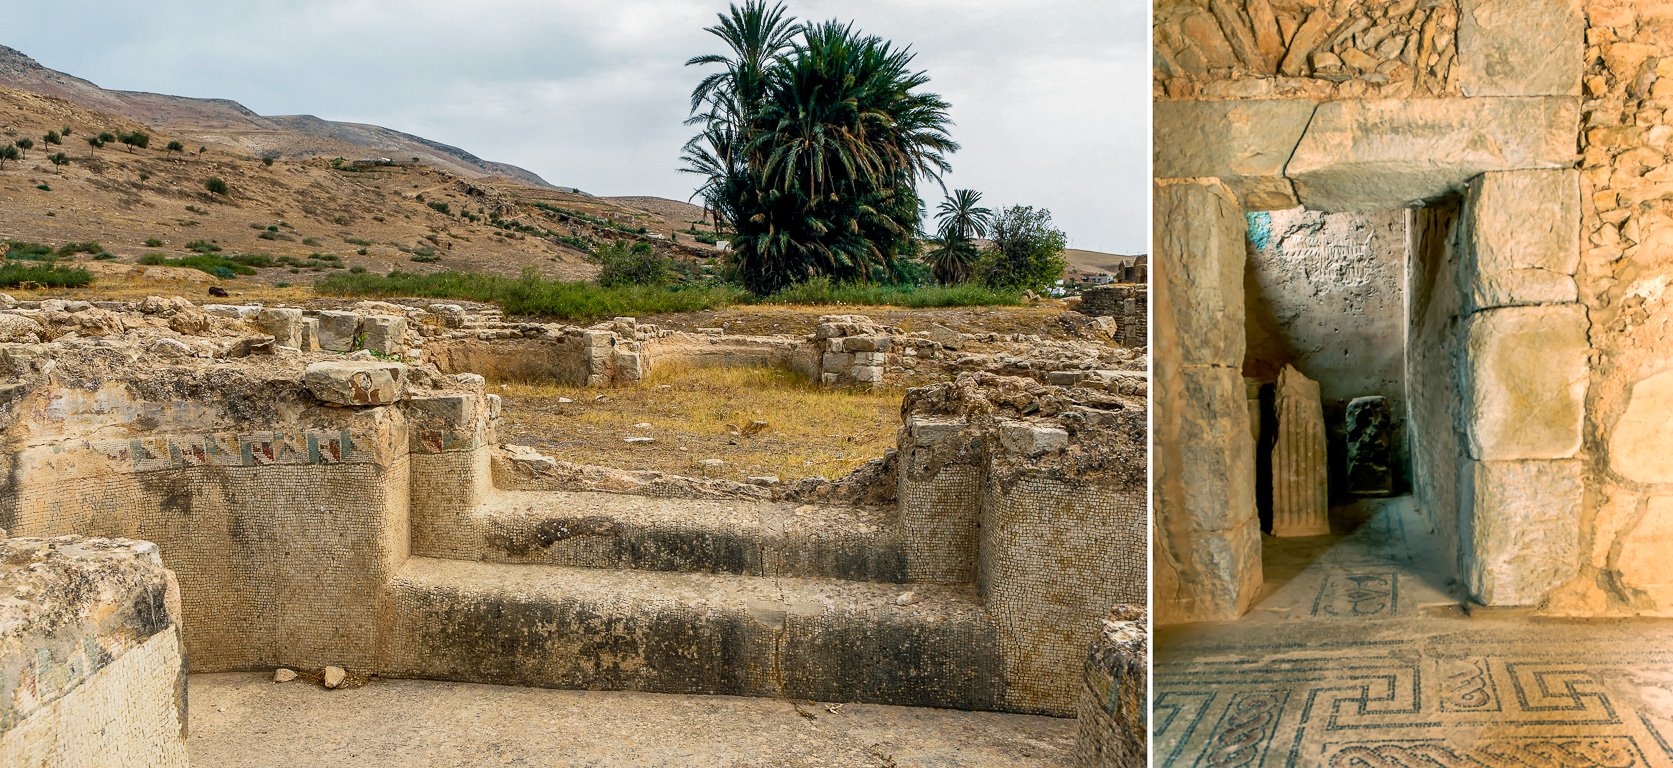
(622, 531)
(689, 633)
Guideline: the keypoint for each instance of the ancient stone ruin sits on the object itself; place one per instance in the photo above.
(323, 490)
(1454, 217)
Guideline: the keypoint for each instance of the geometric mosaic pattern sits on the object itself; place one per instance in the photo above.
(1353, 674)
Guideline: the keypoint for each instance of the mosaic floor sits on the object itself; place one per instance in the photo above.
(1362, 656)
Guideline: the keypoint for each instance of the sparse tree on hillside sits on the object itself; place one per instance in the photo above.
(95, 142)
(107, 137)
(8, 152)
(52, 137)
(175, 146)
(25, 144)
(58, 160)
(65, 131)
(960, 219)
(216, 185)
(139, 139)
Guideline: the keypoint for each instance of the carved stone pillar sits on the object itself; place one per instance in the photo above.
(1300, 464)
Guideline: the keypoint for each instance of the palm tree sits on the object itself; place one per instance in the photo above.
(959, 221)
(814, 138)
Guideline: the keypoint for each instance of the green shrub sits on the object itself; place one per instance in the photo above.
(532, 294)
(281, 285)
(267, 161)
(139, 139)
(310, 241)
(430, 258)
(219, 266)
(71, 249)
(357, 270)
(52, 137)
(44, 275)
(357, 241)
(104, 257)
(43, 187)
(152, 242)
(821, 291)
(439, 207)
(636, 265)
(203, 246)
(17, 249)
(216, 185)
(175, 146)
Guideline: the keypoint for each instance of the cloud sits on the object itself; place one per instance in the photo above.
(1051, 98)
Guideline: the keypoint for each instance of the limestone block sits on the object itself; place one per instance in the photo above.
(629, 366)
(1226, 571)
(1641, 445)
(452, 315)
(1525, 382)
(868, 374)
(20, 329)
(349, 382)
(385, 334)
(1367, 155)
(284, 325)
(309, 341)
(1205, 459)
(1524, 237)
(946, 337)
(1525, 526)
(837, 362)
(1643, 562)
(448, 411)
(866, 344)
(337, 330)
(1370, 431)
(1300, 464)
(1199, 247)
(1533, 48)
(598, 338)
(870, 358)
(1243, 143)
(1032, 439)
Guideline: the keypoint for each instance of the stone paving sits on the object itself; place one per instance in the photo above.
(1361, 655)
(244, 720)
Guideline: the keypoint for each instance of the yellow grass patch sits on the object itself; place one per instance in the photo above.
(691, 412)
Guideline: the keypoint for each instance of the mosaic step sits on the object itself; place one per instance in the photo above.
(586, 628)
(724, 536)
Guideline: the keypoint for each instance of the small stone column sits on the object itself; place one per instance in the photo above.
(1300, 465)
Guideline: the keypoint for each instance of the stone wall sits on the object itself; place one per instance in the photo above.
(1128, 305)
(92, 669)
(1115, 694)
(1434, 354)
(1325, 292)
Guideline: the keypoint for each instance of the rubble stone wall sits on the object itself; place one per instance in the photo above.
(91, 656)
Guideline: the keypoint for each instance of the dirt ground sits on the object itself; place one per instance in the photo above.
(691, 413)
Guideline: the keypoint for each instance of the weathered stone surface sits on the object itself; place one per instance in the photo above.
(1361, 155)
(1032, 439)
(352, 382)
(284, 325)
(309, 340)
(1243, 143)
(1641, 445)
(1369, 426)
(1200, 255)
(1114, 697)
(946, 337)
(20, 329)
(1524, 518)
(1534, 48)
(334, 676)
(1524, 237)
(1525, 382)
(1300, 464)
(384, 334)
(337, 330)
(282, 675)
(1643, 562)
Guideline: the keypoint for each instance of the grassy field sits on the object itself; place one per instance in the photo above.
(811, 431)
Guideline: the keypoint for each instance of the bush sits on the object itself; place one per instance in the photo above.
(71, 249)
(152, 242)
(52, 137)
(532, 294)
(139, 139)
(202, 246)
(357, 270)
(216, 185)
(219, 266)
(106, 137)
(104, 257)
(638, 265)
(439, 207)
(822, 290)
(1027, 251)
(175, 146)
(430, 258)
(267, 161)
(43, 187)
(17, 249)
(14, 274)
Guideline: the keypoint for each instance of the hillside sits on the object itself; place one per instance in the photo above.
(381, 218)
(226, 124)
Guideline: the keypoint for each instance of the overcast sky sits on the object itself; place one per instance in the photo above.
(1050, 97)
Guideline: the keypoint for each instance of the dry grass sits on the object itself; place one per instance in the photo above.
(811, 430)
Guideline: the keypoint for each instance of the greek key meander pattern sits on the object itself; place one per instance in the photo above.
(1400, 704)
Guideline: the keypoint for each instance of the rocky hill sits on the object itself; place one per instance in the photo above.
(224, 123)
